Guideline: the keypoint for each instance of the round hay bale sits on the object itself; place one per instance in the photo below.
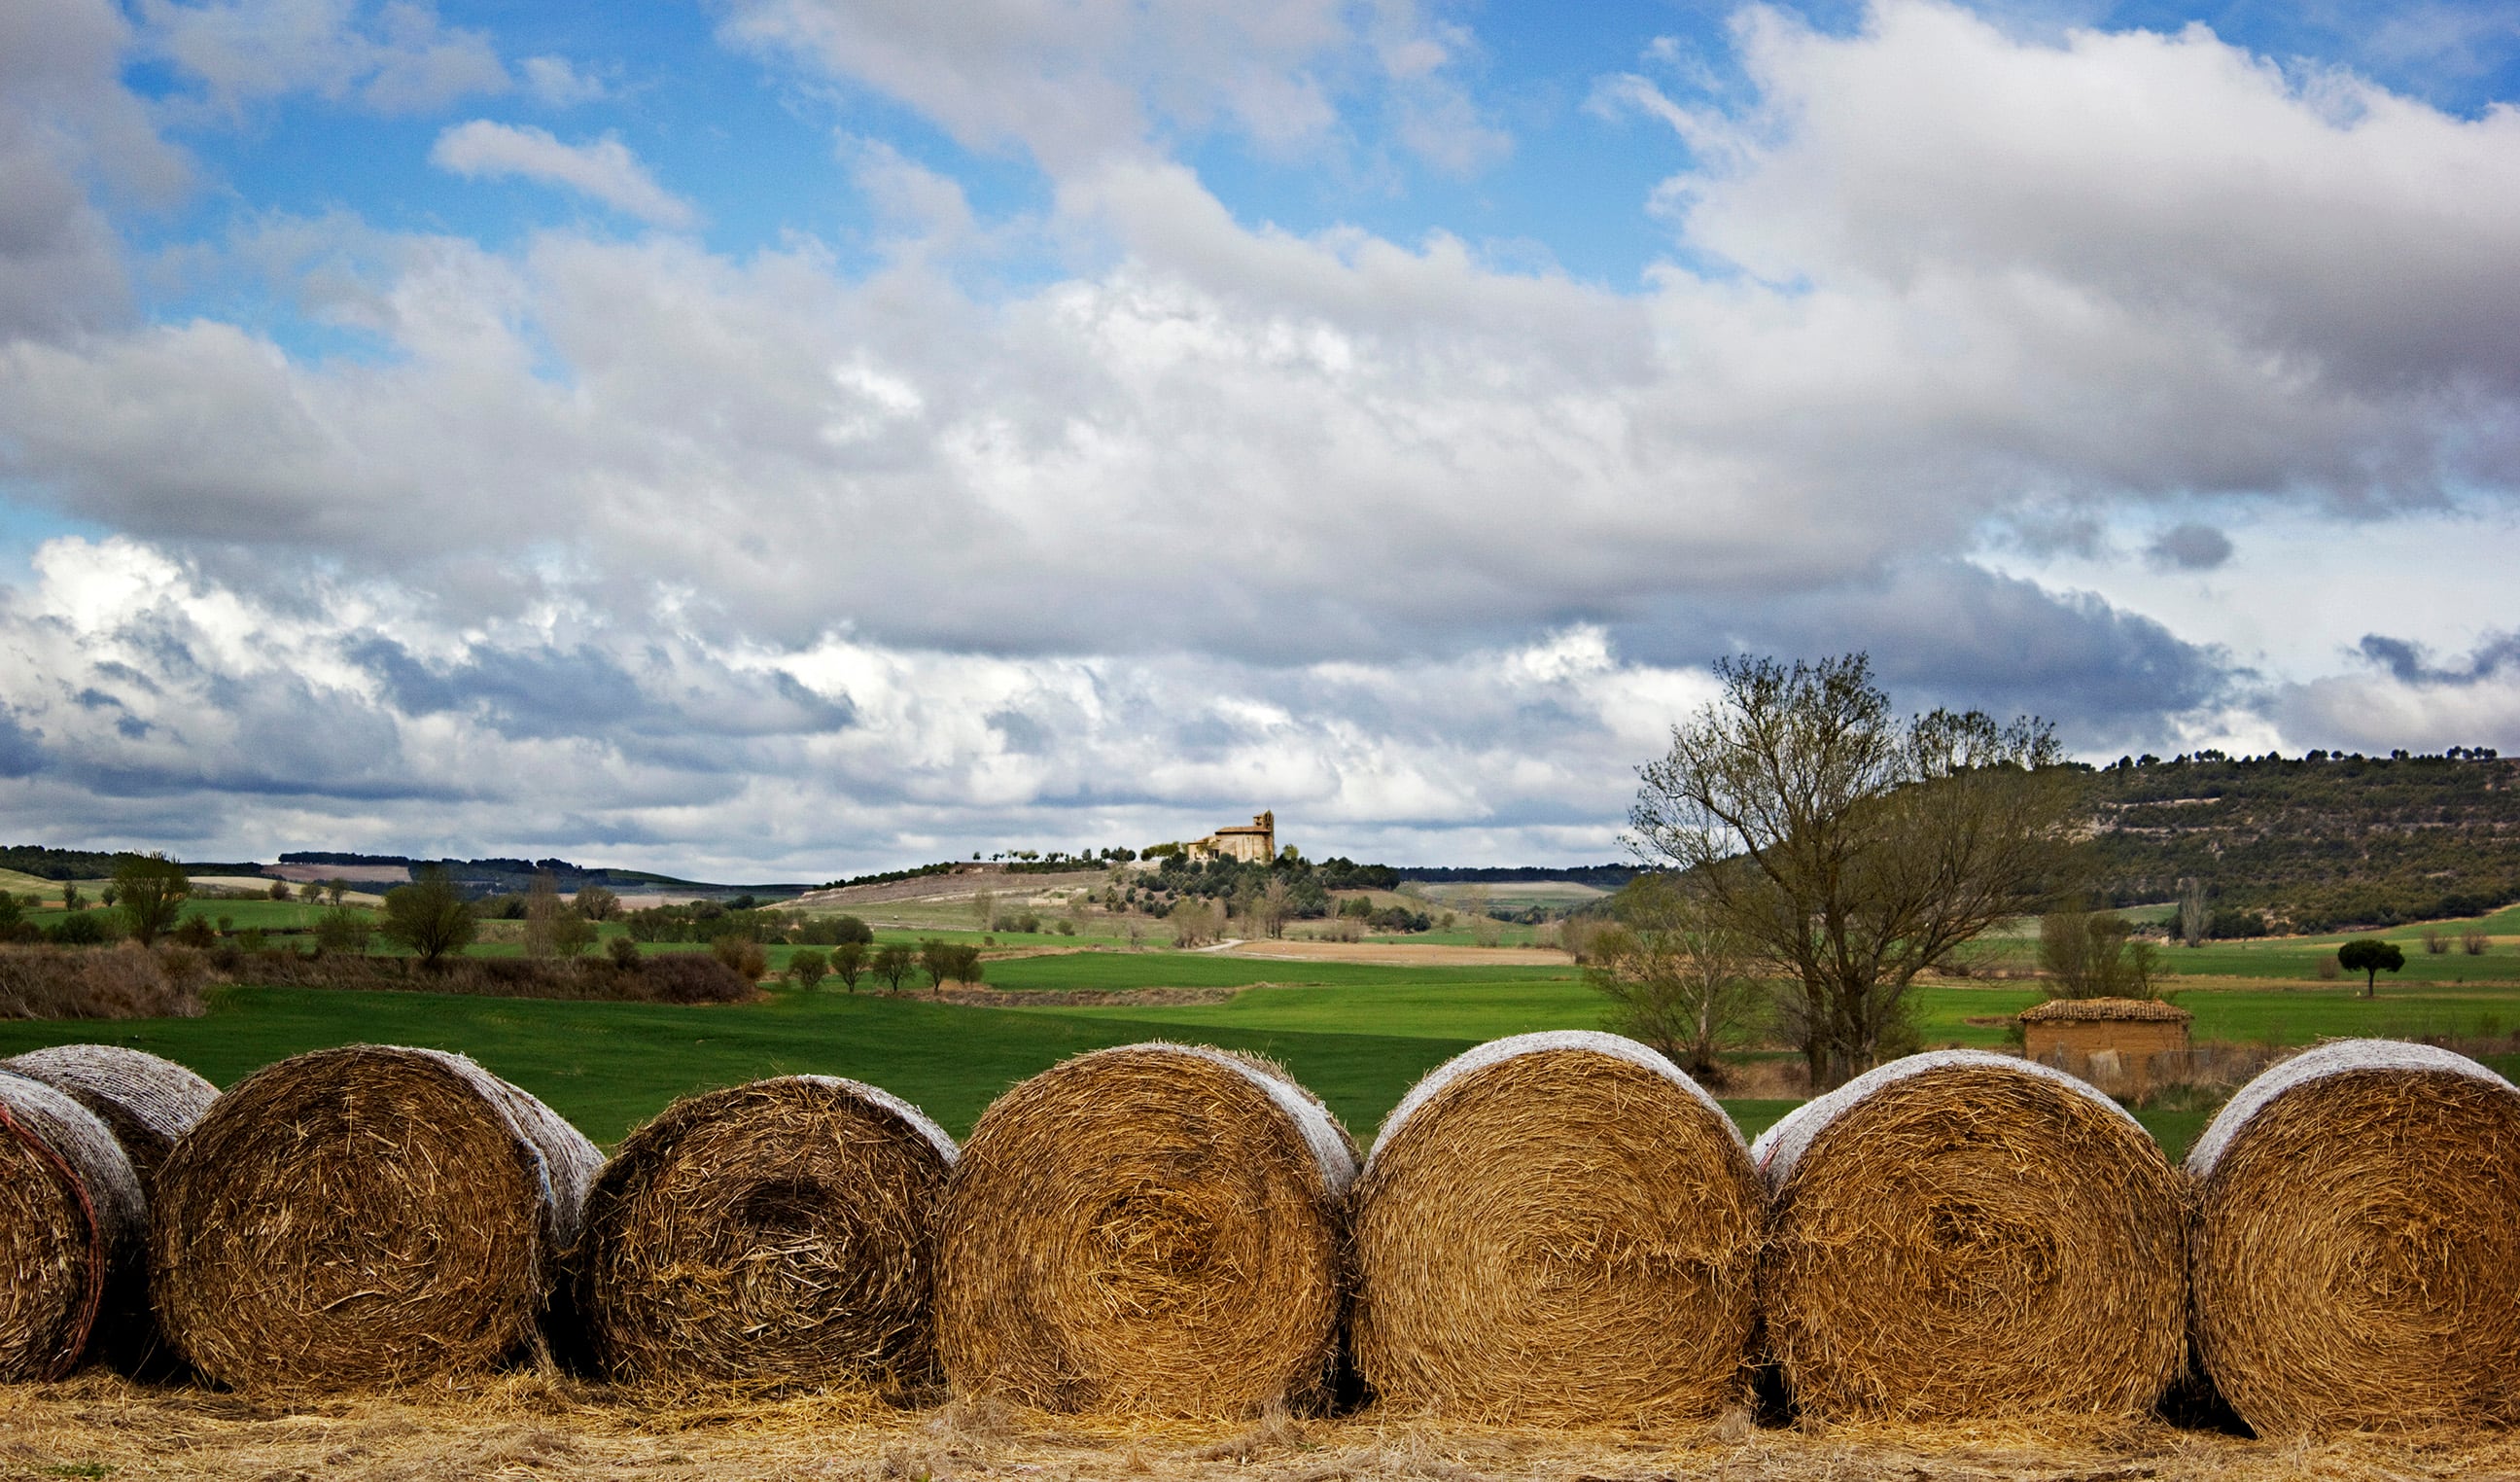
(780, 1231)
(362, 1216)
(1558, 1228)
(145, 1101)
(1153, 1230)
(2358, 1252)
(71, 1219)
(1967, 1235)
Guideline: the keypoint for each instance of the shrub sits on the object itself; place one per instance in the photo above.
(81, 929)
(47, 984)
(624, 952)
(807, 967)
(741, 957)
(2473, 941)
(2435, 942)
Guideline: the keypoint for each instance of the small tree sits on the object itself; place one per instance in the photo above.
(430, 916)
(2088, 955)
(2193, 914)
(1677, 978)
(1275, 903)
(849, 964)
(334, 890)
(742, 955)
(149, 889)
(893, 962)
(807, 967)
(2370, 956)
(936, 960)
(279, 890)
(596, 903)
(71, 900)
(984, 909)
(341, 930)
(571, 933)
(542, 914)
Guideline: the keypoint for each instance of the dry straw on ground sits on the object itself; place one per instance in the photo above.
(776, 1231)
(70, 1217)
(1558, 1228)
(1962, 1234)
(2357, 1258)
(1150, 1230)
(147, 1101)
(364, 1215)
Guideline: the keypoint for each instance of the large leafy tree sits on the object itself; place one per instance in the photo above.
(430, 916)
(1852, 850)
(149, 889)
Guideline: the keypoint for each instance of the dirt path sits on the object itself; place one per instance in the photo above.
(1402, 954)
(529, 1426)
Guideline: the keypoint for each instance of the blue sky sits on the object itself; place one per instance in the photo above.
(804, 436)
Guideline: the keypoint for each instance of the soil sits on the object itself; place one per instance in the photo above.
(528, 1425)
(1404, 954)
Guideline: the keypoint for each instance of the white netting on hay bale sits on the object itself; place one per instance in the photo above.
(2358, 1260)
(1470, 1061)
(70, 1220)
(1558, 1228)
(1781, 1145)
(148, 1102)
(2339, 1059)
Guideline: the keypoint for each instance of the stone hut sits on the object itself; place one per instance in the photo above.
(2121, 1046)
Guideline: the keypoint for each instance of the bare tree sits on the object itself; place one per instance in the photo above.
(542, 914)
(1851, 850)
(1680, 979)
(984, 909)
(1275, 903)
(2088, 955)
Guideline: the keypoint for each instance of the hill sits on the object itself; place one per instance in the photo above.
(2318, 843)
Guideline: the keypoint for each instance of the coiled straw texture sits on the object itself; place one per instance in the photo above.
(147, 1101)
(70, 1216)
(364, 1216)
(1963, 1236)
(1155, 1229)
(780, 1232)
(2357, 1261)
(1558, 1228)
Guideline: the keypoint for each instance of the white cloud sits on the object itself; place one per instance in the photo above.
(396, 57)
(558, 82)
(603, 169)
(1077, 82)
(1204, 511)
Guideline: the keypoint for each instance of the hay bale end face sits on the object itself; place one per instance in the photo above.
(2358, 1260)
(1961, 1236)
(363, 1216)
(145, 1101)
(1558, 1228)
(1155, 1229)
(71, 1219)
(780, 1231)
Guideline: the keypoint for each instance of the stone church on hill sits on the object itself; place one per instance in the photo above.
(1256, 843)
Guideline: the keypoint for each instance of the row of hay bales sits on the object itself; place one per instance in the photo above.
(1552, 1228)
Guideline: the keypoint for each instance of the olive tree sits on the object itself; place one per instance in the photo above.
(1852, 850)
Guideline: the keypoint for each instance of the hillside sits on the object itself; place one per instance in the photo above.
(2312, 844)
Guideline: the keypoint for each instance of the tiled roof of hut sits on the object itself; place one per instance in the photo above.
(2104, 1008)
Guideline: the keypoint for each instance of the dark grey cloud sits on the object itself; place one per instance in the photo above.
(2189, 547)
(2408, 663)
(544, 692)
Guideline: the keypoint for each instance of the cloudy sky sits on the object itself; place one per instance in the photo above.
(785, 438)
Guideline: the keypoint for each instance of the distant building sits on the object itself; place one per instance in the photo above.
(2118, 1044)
(1256, 844)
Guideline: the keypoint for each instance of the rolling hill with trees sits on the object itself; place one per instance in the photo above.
(2314, 843)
